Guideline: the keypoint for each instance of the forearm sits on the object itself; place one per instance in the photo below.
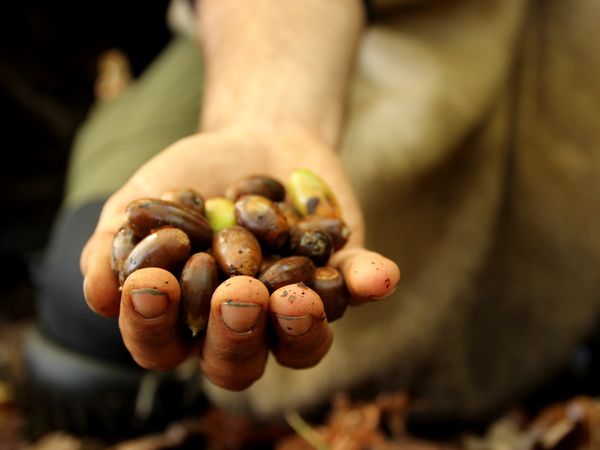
(274, 64)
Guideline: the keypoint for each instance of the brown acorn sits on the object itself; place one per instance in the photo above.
(187, 197)
(290, 270)
(329, 283)
(237, 251)
(313, 243)
(262, 217)
(199, 279)
(258, 185)
(289, 212)
(167, 248)
(147, 214)
(123, 243)
(334, 226)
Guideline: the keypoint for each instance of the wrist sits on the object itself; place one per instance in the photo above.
(323, 126)
(273, 65)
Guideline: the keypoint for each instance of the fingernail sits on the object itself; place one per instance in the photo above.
(240, 317)
(294, 325)
(149, 303)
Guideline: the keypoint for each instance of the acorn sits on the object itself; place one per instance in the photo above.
(220, 212)
(198, 280)
(311, 195)
(258, 185)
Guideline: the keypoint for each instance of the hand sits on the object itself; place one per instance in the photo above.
(235, 346)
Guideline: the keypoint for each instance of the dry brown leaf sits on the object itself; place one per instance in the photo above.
(359, 426)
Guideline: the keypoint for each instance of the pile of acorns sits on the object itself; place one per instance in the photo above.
(251, 231)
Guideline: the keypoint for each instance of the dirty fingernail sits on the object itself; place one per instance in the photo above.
(294, 325)
(149, 303)
(240, 317)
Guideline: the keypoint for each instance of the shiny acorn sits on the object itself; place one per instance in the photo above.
(237, 251)
(147, 214)
(289, 212)
(256, 185)
(329, 283)
(187, 197)
(167, 248)
(124, 242)
(289, 270)
(334, 226)
(264, 219)
(198, 280)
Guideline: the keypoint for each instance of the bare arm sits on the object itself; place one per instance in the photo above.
(274, 64)
(275, 80)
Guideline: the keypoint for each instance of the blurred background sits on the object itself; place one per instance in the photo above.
(49, 54)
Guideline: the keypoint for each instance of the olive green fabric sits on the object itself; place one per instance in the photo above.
(120, 135)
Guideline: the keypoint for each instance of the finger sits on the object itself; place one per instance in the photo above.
(302, 335)
(149, 319)
(85, 254)
(369, 276)
(100, 284)
(235, 350)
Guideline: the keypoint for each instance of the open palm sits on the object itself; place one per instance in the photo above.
(235, 346)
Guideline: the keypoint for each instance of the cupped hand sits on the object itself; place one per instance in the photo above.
(235, 346)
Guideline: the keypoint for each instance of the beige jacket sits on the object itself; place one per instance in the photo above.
(473, 140)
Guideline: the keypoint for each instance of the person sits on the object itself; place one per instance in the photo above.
(428, 122)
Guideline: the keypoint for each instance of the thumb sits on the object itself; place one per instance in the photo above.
(369, 275)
